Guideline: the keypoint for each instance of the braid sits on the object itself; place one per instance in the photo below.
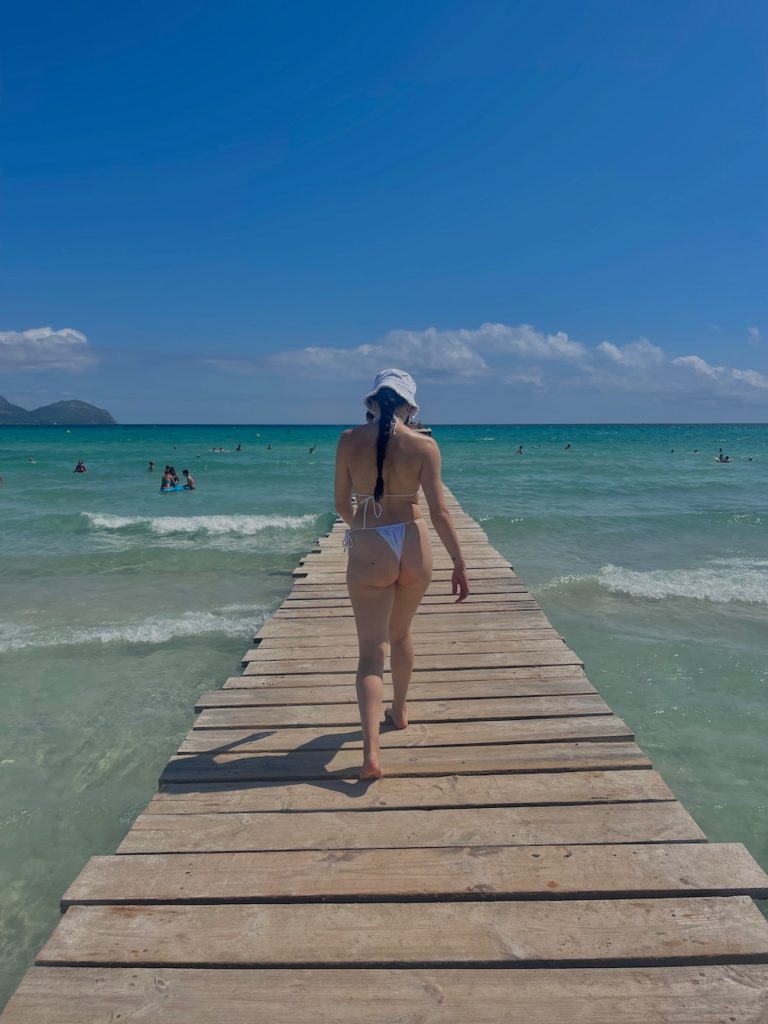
(388, 401)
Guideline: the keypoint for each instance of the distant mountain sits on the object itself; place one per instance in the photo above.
(70, 414)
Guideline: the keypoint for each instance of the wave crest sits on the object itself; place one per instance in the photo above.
(233, 621)
(212, 526)
(722, 581)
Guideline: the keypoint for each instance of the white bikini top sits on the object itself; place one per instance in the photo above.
(364, 501)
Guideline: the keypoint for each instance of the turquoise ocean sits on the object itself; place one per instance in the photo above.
(119, 606)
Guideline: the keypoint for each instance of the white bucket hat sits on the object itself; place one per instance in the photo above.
(402, 383)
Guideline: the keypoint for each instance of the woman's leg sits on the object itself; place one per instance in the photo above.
(371, 575)
(415, 574)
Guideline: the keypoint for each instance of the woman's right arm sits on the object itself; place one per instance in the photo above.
(432, 485)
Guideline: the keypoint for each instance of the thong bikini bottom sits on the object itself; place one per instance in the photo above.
(394, 535)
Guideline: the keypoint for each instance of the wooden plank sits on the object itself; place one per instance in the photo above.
(510, 599)
(645, 870)
(304, 715)
(539, 656)
(233, 696)
(577, 787)
(404, 761)
(606, 728)
(286, 651)
(524, 673)
(486, 636)
(658, 822)
(478, 605)
(433, 623)
(641, 932)
(337, 592)
(338, 576)
(712, 994)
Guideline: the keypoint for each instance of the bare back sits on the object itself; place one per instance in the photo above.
(403, 465)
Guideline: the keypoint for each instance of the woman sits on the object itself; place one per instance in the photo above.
(390, 557)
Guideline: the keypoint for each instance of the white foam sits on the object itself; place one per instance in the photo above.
(721, 581)
(212, 526)
(234, 620)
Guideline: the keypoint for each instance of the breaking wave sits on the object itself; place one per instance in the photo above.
(234, 621)
(211, 526)
(722, 581)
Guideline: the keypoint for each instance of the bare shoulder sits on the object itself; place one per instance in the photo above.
(428, 445)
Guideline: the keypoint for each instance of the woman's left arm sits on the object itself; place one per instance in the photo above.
(342, 487)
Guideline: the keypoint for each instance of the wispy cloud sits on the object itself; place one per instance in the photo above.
(522, 357)
(754, 335)
(42, 348)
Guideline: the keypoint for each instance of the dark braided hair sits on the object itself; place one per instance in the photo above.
(388, 400)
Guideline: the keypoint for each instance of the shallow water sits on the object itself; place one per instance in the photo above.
(119, 605)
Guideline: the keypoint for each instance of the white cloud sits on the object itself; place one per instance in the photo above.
(519, 356)
(752, 377)
(638, 354)
(754, 336)
(435, 355)
(524, 340)
(698, 365)
(42, 348)
(725, 380)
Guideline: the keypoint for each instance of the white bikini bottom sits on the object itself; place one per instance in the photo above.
(394, 535)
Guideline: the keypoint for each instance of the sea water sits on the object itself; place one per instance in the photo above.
(120, 605)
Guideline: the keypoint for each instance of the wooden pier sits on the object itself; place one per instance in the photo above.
(520, 862)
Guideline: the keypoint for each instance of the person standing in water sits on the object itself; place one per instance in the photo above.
(80, 467)
(390, 556)
(189, 480)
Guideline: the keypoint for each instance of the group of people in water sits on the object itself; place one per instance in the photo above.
(171, 480)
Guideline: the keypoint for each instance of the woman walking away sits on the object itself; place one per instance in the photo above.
(390, 557)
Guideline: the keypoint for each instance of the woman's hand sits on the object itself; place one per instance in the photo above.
(460, 584)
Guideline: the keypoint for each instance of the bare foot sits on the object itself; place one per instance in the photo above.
(400, 722)
(371, 771)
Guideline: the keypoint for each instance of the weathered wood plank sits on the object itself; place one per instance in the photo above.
(557, 654)
(712, 994)
(660, 931)
(480, 605)
(525, 872)
(233, 696)
(495, 586)
(303, 715)
(658, 822)
(486, 636)
(438, 574)
(433, 623)
(577, 787)
(347, 649)
(404, 761)
(607, 728)
(510, 599)
(511, 675)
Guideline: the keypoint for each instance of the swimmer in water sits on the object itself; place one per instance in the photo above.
(189, 480)
(568, 446)
(313, 449)
(151, 466)
(80, 467)
(519, 450)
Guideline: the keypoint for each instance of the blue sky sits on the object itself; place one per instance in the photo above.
(237, 212)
